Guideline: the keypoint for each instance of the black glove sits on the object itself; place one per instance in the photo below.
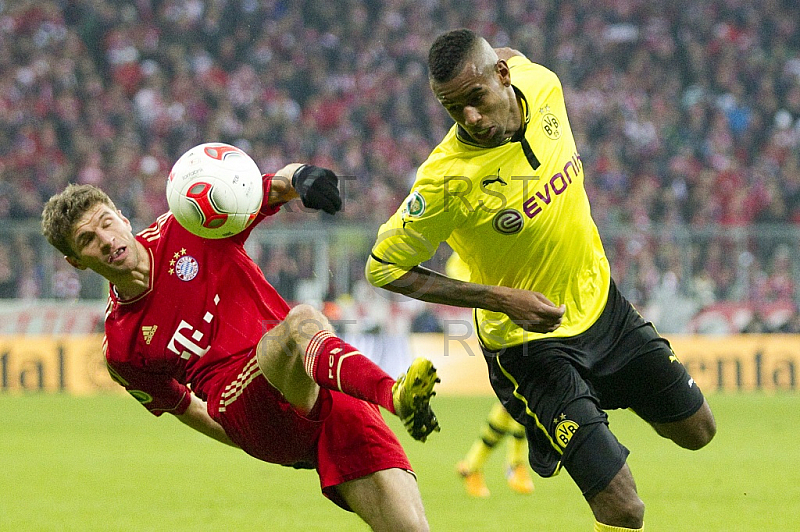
(318, 188)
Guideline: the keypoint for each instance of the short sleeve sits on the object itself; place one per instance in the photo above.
(426, 218)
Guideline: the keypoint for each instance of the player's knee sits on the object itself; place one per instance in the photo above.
(408, 521)
(710, 430)
(303, 313)
(303, 322)
(704, 432)
(627, 513)
(693, 433)
(632, 511)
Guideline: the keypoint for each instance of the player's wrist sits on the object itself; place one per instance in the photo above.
(297, 171)
(500, 298)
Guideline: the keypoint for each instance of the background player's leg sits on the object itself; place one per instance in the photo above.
(517, 470)
(471, 467)
(387, 500)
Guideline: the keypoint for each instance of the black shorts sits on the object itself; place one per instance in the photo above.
(558, 388)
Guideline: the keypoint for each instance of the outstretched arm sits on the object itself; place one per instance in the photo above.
(196, 416)
(281, 190)
(530, 310)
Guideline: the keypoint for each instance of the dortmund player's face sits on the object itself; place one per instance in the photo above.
(481, 100)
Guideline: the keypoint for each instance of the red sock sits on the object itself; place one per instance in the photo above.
(337, 365)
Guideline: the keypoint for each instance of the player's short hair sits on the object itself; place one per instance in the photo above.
(448, 53)
(63, 210)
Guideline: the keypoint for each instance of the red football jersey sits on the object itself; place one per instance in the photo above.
(207, 307)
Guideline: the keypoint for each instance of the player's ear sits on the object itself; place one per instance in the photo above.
(503, 72)
(124, 219)
(75, 263)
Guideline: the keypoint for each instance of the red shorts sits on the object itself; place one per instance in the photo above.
(342, 437)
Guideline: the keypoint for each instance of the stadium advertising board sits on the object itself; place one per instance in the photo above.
(744, 362)
(74, 363)
(52, 318)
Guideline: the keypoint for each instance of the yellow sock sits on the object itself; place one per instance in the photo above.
(477, 455)
(517, 452)
(492, 431)
(600, 527)
(500, 419)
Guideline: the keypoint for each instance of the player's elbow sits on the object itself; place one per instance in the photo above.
(374, 271)
(368, 269)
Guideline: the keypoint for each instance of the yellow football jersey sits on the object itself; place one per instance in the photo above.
(517, 214)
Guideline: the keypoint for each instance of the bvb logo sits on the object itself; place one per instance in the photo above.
(565, 431)
(551, 126)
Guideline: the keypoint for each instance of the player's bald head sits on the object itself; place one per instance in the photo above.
(451, 51)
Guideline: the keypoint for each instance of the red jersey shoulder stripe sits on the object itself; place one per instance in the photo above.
(109, 306)
(154, 231)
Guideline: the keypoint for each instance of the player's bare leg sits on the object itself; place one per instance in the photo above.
(280, 355)
(618, 504)
(387, 500)
(692, 433)
(301, 354)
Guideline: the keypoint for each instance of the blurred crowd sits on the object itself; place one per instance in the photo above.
(687, 114)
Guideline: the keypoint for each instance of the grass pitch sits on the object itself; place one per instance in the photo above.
(104, 464)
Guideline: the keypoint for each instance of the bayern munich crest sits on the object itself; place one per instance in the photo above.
(186, 268)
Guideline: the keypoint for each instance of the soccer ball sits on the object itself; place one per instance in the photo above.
(214, 190)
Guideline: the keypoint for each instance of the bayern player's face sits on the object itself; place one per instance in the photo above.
(481, 100)
(103, 242)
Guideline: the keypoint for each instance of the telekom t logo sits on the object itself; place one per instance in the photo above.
(186, 346)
